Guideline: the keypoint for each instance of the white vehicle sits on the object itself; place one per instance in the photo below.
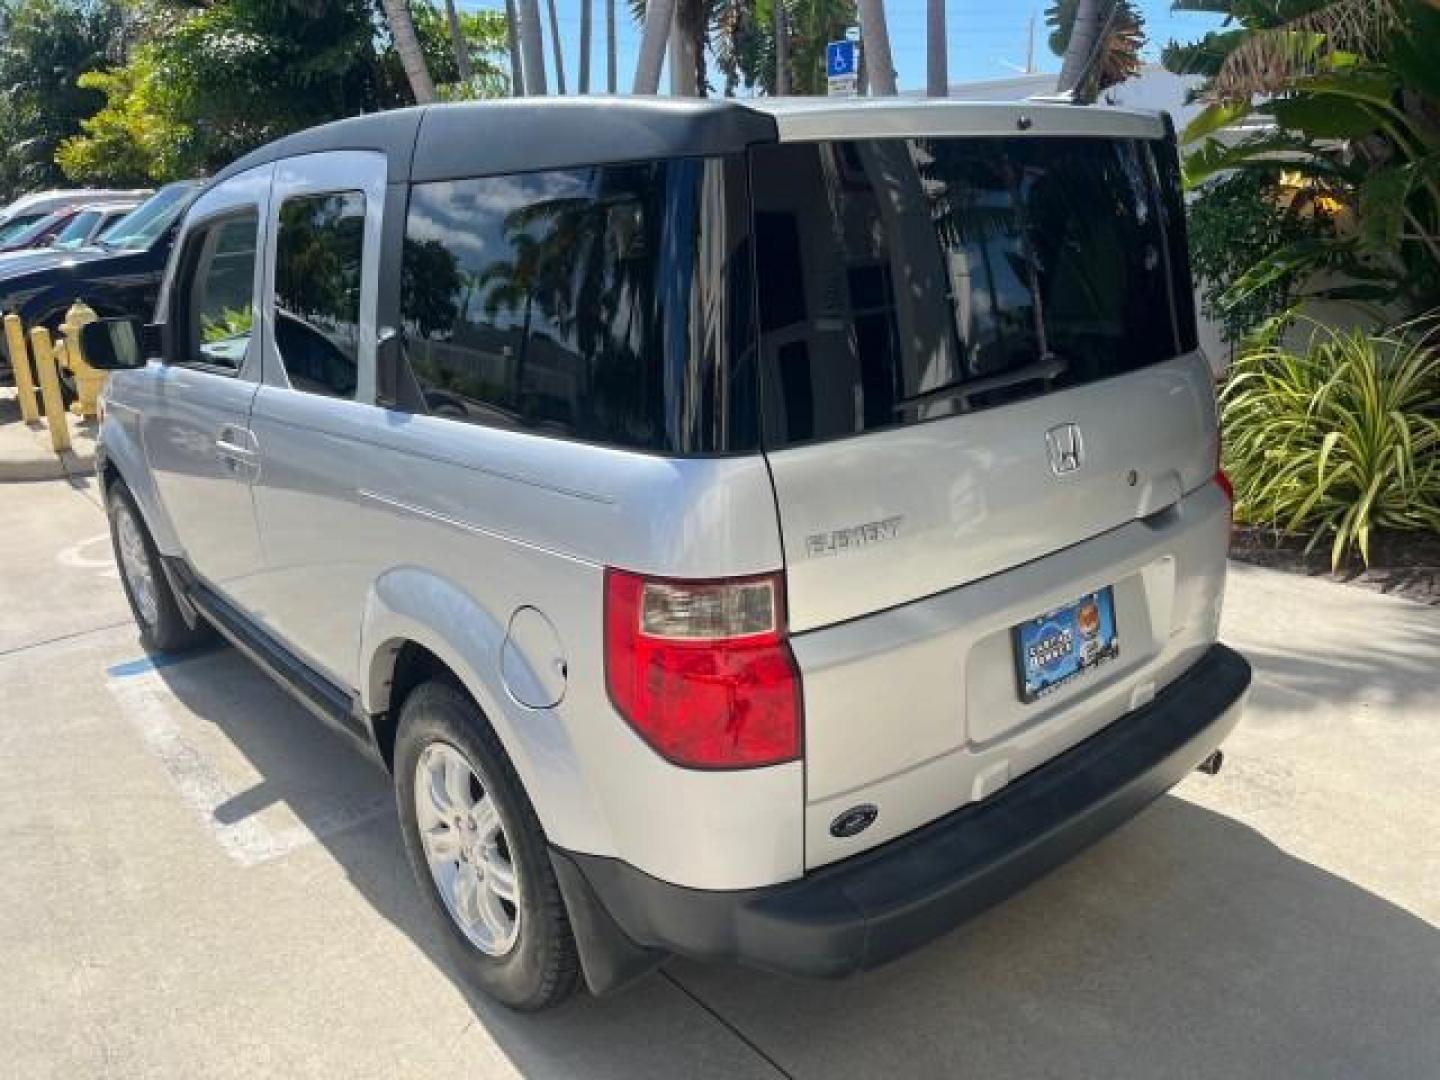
(765, 532)
(28, 209)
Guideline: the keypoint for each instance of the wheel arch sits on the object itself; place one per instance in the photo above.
(419, 625)
(119, 456)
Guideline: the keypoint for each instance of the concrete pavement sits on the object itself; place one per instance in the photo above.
(200, 881)
(26, 452)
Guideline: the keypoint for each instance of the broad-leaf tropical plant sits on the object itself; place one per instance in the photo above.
(1351, 94)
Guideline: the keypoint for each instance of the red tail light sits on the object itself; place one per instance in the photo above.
(702, 670)
(1225, 485)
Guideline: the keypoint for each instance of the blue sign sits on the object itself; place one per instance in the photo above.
(840, 59)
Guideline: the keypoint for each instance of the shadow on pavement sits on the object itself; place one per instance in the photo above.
(1184, 945)
(1397, 664)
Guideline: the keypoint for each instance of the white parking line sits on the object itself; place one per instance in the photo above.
(147, 705)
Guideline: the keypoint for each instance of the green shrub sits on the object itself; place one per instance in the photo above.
(1235, 222)
(1337, 439)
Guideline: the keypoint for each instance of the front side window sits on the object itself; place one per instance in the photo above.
(216, 296)
(608, 304)
(904, 280)
(318, 253)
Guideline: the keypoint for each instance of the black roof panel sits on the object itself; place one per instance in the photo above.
(476, 138)
(391, 132)
(524, 134)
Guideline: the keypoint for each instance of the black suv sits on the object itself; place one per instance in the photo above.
(118, 277)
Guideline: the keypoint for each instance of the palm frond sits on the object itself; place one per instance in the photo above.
(1269, 61)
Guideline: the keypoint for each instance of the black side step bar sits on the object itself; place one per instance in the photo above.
(333, 705)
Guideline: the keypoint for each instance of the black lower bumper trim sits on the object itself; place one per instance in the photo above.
(868, 909)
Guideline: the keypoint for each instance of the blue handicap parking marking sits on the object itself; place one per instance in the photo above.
(840, 58)
(143, 664)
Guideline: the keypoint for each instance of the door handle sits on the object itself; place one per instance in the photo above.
(226, 448)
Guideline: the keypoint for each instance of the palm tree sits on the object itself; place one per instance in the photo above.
(875, 38)
(584, 46)
(512, 40)
(1271, 58)
(1100, 41)
(402, 29)
(688, 34)
(659, 17)
(457, 40)
(1080, 51)
(612, 82)
(557, 48)
(532, 46)
(782, 48)
(937, 75)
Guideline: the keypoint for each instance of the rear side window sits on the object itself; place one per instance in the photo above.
(608, 304)
(903, 280)
(318, 254)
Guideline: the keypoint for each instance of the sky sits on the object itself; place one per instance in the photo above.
(987, 37)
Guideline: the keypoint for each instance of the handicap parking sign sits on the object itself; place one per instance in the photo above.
(840, 59)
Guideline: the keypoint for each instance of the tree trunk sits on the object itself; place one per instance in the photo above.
(585, 46)
(782, 50)
(684, 55)
(402, 29)
(937, 74)
(612, 73)
(457, 40)
(659, 15)
(557, 47)
(875, 40)
(1080, 52)
(532, 46)
(512, 40)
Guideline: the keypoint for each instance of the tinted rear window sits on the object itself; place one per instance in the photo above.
(904, 280)
(607, 303)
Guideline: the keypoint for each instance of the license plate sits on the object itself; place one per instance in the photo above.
(1065, 643)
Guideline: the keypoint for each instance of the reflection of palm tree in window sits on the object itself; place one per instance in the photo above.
(581, 263)
(431, 281)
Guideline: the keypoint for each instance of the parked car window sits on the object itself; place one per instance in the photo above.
(606, 303)
(140, 228)
(904, 280)
(36, 233)
(78, 231)
(217, 293)
(18, 224)
(318, 253)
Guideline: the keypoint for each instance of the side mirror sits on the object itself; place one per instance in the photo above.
(112, 344)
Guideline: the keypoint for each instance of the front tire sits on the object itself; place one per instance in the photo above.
(479, 853)
(152, 601)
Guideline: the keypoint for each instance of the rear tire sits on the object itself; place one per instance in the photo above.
(152, 601)
(482, 863)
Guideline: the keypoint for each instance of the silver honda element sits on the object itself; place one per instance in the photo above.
(765, 532)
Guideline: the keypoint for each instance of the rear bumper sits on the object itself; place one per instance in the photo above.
(871, 908)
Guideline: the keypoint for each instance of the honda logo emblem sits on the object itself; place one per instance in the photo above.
(1067, 449)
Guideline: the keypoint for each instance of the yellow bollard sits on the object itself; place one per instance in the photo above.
(89, 381)
(20, 365)
(55, 416)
